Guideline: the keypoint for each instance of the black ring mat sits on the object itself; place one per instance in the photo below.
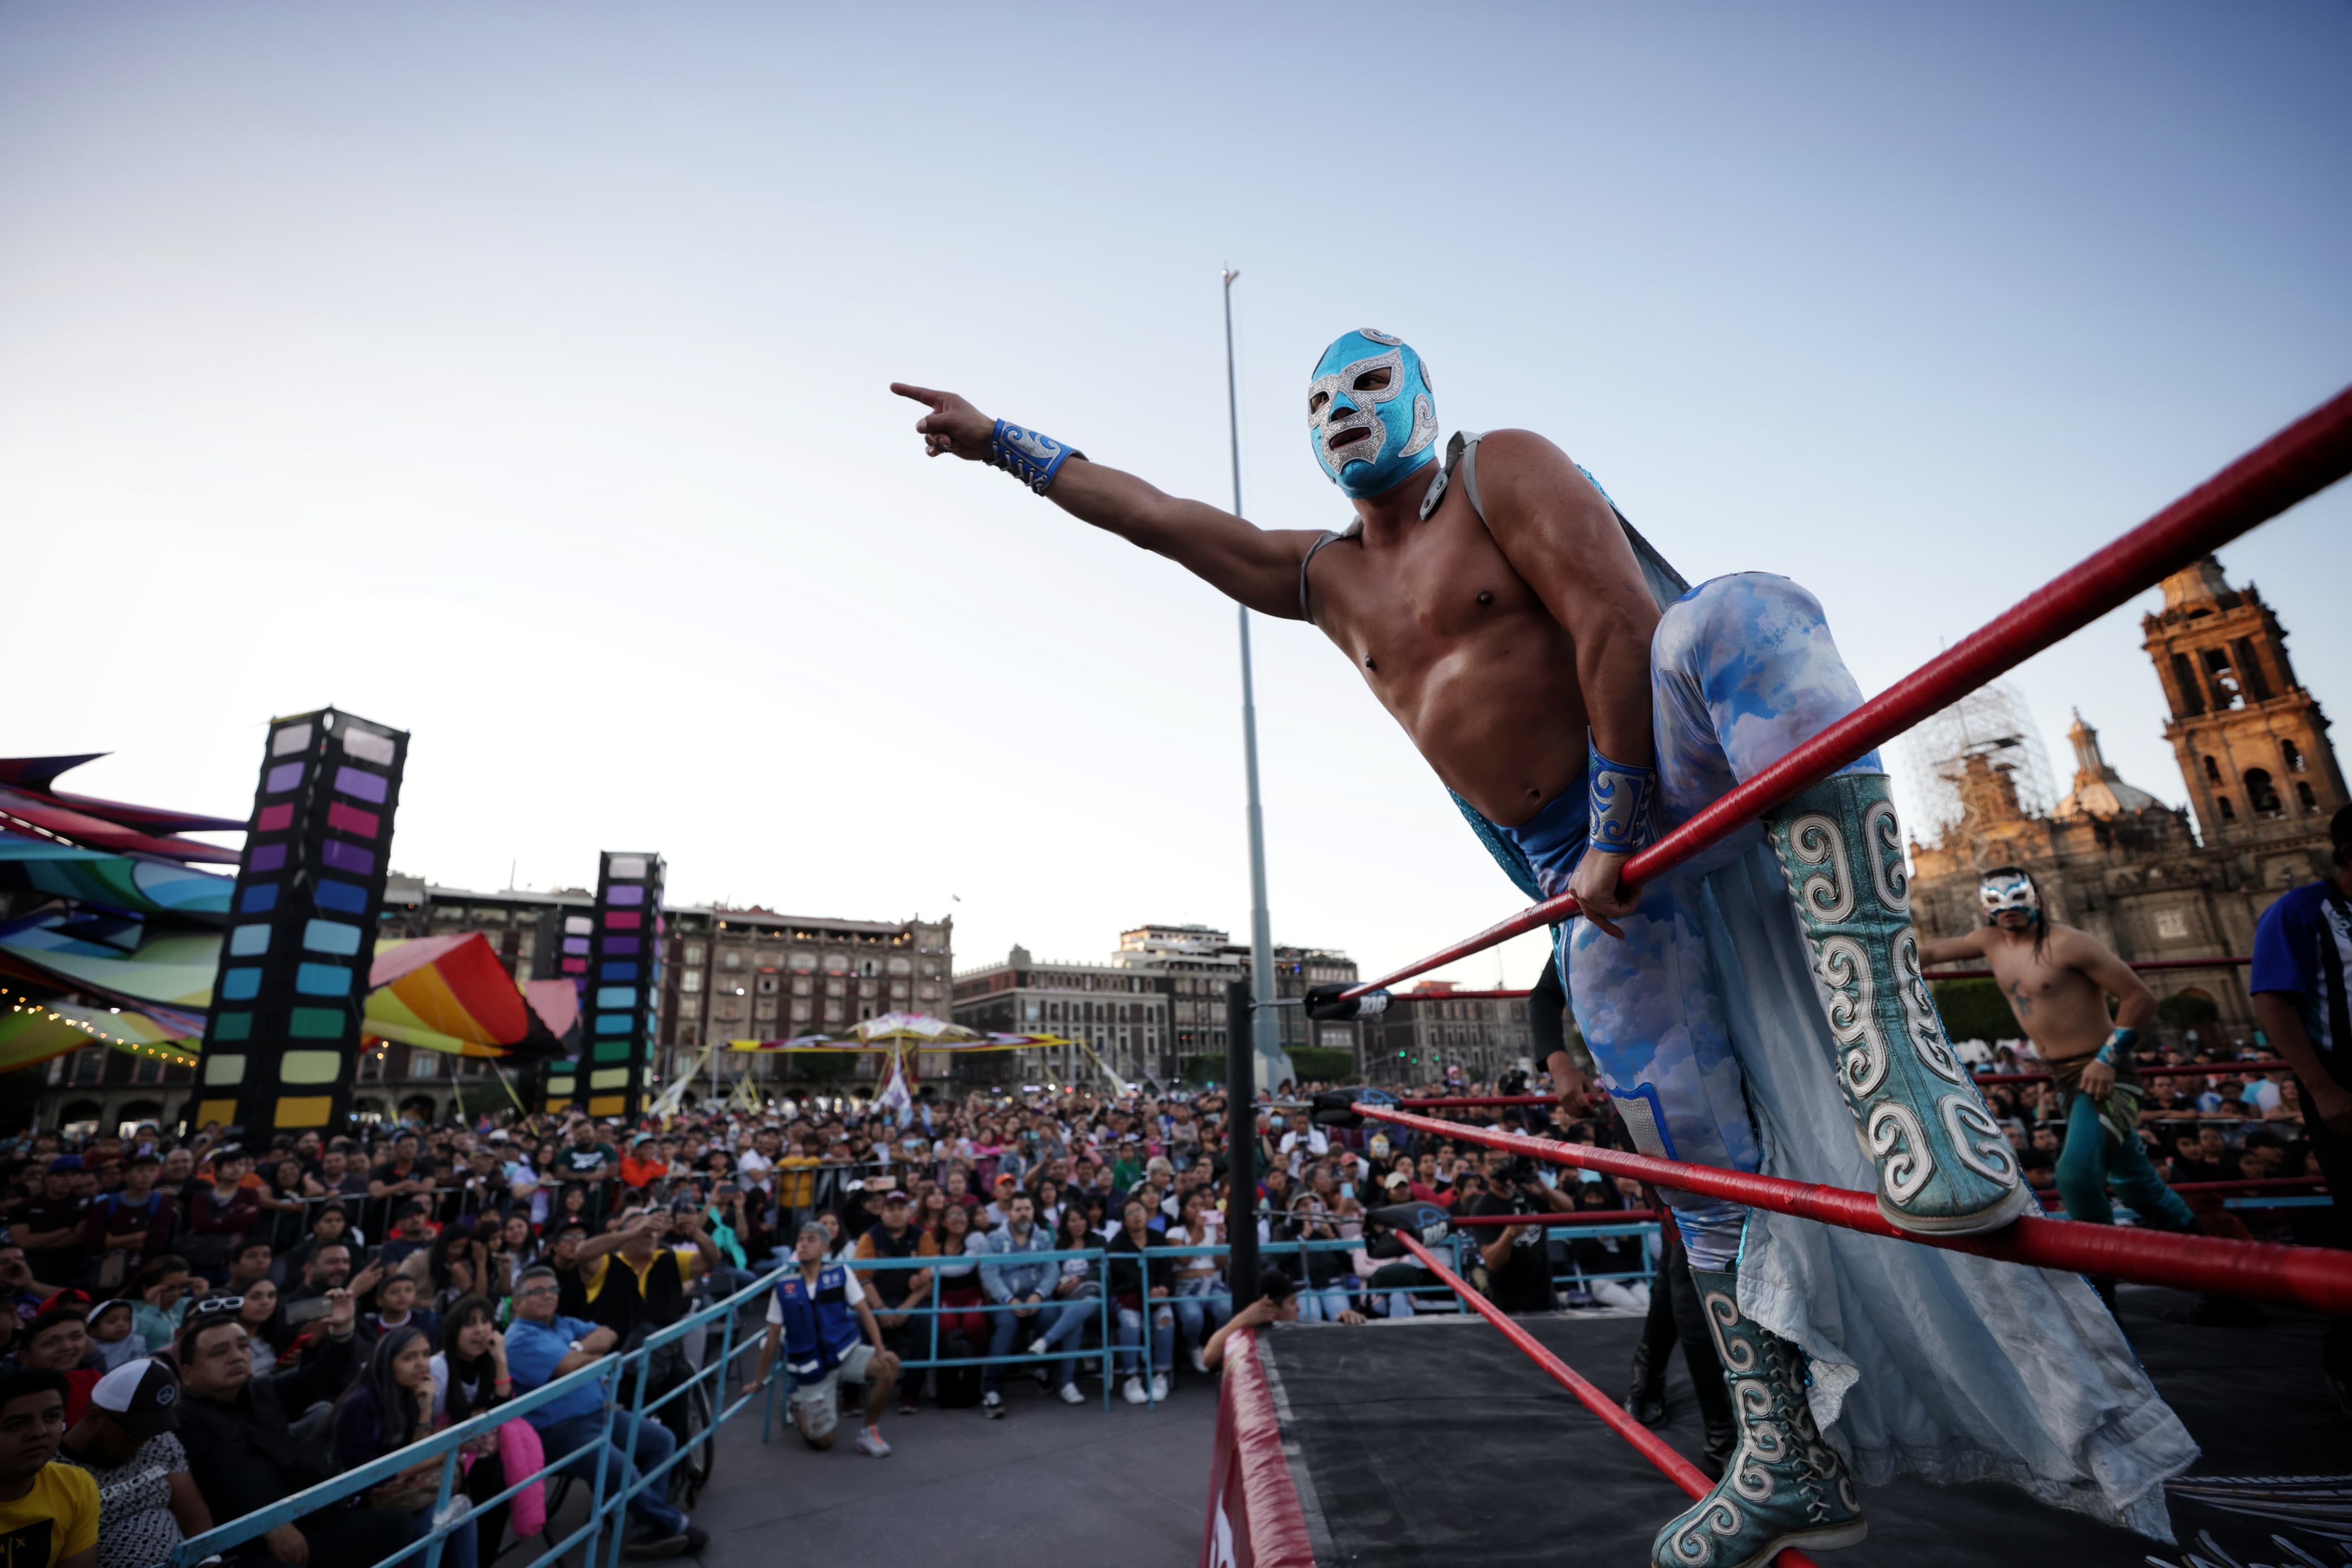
(1436, 1442)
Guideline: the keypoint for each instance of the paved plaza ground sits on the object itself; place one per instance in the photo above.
(1050, 1483)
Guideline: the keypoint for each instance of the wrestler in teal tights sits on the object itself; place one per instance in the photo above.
(2092, 1160)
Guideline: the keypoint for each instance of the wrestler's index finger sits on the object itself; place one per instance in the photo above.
(937, 399)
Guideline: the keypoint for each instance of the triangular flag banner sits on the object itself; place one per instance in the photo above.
(893, 1095)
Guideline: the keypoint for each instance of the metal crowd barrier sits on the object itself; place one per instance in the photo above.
(1109, 1349)
(608, 1372)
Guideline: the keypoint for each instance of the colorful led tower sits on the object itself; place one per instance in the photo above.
(293, 978)
(624, 989)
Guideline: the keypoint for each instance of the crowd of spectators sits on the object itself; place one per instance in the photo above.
(217, 1331)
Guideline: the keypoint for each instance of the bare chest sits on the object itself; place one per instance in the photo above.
(2037, 988)
(1401, 607)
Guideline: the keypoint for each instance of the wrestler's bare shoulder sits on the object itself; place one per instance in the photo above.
(1511, 460)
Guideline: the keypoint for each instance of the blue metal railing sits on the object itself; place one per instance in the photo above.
(606, 1373)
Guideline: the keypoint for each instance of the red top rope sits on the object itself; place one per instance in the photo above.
(2151, 1070)
(2297, 462)
(2318, 1278)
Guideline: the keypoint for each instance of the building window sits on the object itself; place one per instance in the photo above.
(2223, 678)
(764, 1009)
(2303, 795)
(2227, 814)
(2212, 772)
(799, 1010)
(423, 1065)
(2250, 670)
(730, 959)
(2294, 755)
(902, 967)
(2184, 681)
(803, 984)
(2261, 794)
(689, 980)
(803, 962)
(767, 984)
(693, 954)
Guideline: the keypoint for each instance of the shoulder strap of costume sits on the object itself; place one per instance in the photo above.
(1305, 561)
(1467, 444)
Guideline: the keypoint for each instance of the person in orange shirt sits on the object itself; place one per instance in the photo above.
(643, 1164)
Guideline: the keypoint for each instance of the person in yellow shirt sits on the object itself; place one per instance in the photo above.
(48, 1511)
(795, 1177)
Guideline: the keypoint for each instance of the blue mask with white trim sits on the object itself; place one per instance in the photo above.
(1369, 414)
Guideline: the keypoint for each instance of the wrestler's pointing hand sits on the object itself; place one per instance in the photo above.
(952, 425)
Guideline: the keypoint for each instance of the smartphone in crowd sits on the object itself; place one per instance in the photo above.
(308, 1310)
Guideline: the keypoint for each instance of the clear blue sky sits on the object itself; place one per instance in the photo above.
(516, 374)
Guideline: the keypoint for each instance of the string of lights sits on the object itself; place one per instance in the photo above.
(18, 1002)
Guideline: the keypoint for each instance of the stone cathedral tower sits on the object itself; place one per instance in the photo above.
(2252, 742)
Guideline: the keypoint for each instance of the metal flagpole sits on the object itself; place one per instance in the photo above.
(1266, 1024)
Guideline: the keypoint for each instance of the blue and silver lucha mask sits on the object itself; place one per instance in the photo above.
(1369, 414)
(2003, 891)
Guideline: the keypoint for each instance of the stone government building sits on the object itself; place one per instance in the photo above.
(2261, 781)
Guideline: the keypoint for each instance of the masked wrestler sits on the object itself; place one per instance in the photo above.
(1578, 698)
(2058, 979)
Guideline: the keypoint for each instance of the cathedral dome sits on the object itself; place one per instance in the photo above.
(2099, 790)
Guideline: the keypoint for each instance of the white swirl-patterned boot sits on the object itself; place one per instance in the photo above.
(1944, 1166)
(1785, 1486)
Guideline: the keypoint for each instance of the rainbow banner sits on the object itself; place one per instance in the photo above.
(453, 994)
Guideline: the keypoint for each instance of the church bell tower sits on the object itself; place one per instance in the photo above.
(2250, 741)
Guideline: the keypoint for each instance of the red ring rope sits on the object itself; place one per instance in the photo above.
(1648, 1444)
(1566, 1217)
(2155, 1070)
(2143, 965)
(2313, 1277)
(2152, 1070)
(2297, 462)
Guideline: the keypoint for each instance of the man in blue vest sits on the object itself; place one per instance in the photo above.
(2302, 999)
(830, 1337)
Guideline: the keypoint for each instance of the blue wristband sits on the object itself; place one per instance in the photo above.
(2122, 1039)
(1621, 795)
(1029, 456)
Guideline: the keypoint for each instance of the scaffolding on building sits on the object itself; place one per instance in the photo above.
(1992, 724)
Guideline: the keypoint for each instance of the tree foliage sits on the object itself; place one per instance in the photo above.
(1975, 1009)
